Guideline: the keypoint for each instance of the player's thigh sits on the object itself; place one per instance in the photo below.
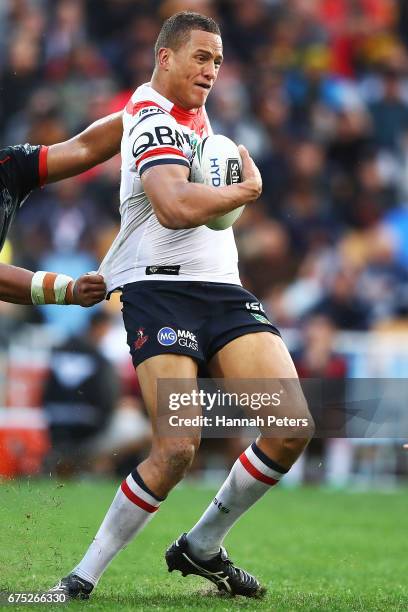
(176, 373)
(253, 355)
(264, 363)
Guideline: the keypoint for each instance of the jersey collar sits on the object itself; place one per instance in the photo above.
(189, 118)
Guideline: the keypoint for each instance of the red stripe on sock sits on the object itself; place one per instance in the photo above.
(3, 161)
(42, 165)
(254, 472)
(137, 500)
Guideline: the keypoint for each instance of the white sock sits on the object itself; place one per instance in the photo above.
(132, 508)
(251, 476)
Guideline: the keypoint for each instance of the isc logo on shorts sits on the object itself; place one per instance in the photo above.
(167, 336)
(254, 306)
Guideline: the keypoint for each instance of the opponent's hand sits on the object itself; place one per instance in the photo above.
(406, 446)
(251, 177)
(89, 289)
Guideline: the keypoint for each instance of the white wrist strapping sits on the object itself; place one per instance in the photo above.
(49, 288)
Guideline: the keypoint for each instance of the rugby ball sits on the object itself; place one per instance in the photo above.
(217, 162)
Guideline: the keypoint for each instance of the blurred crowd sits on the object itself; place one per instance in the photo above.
(318, 92)
(316, 89)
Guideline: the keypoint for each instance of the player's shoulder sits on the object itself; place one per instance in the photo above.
(146, 103)
(152, 135)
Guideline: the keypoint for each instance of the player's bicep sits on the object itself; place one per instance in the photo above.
(162, 185)
(97, 143)
(102, 139)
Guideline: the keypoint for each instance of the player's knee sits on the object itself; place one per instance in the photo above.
(177, 456)
(180, 459)
(301, 425)
(294, 421)
(293, 447)
(309, 428)
(299, 432)
(305, 428)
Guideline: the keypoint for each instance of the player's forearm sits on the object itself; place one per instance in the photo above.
(195, 204)
(99, 142)
(15, 284)
(21, 286)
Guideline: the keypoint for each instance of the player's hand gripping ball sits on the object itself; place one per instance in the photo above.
(217, 163)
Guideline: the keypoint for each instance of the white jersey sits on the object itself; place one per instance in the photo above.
(155, 132)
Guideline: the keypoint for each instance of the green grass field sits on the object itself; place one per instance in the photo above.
(313, 549)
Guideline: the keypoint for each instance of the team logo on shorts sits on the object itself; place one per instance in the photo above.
(167, 336)
(141, 338)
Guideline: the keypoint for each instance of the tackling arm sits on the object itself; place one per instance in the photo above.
(179, 204)
(20, 286)
(99, 142)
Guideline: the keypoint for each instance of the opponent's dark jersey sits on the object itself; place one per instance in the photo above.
(22, 169)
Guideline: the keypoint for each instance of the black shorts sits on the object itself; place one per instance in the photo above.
(188, 318)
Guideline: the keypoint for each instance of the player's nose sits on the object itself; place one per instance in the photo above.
(210, 72)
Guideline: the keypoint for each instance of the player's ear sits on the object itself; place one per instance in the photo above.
(164, 58)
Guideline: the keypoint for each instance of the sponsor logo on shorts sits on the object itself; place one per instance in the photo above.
(142, 338)
(257, 306)
(187, 339)
(261, 318)
(167, 336)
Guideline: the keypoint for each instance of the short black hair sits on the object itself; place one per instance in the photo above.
(176, 29)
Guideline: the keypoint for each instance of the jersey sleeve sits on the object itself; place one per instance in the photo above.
(155, 139)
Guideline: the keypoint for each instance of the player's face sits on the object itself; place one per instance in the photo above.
(193, 69)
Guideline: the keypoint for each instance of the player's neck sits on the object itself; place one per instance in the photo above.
(160, 85)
